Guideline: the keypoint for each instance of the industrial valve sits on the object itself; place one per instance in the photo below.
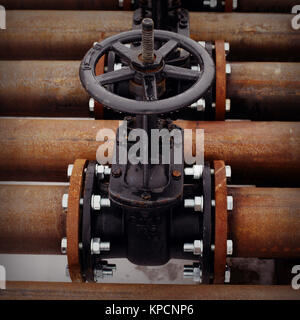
(147, 207)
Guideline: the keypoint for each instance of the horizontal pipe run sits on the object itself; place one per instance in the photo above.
(61, 5)
(58, 35)
(263, 153)
(263, 91)
(243, 5)
(279, 6)
(104, 291)
(31, 219)
(264, 223)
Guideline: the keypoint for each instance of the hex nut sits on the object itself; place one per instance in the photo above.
(227, 105)
(64, 201)
(92, 105)
(70, 170)
(63, 245)
(228, 172)
(198, 206)
(95, 246)
(229, 203)
(229, 247)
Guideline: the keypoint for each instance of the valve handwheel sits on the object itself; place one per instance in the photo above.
(147, 67)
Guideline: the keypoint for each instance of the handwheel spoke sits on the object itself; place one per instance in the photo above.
(115, 76)
(181, 73)
(150, 88)
(167, 48)
(124, 52)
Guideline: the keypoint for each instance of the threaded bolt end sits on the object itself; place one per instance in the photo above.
(147, 40)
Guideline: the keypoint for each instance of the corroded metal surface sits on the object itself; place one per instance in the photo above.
(258, 37)
(60, 5)
(266, 5)
(220, 80)
(261, 152)
(265, 223)
(264, 90)
(58, 34)
(251, 36)
(104, 291)
(221, 222)
(42, 88)
(52, 88)
(31, 219)
(74, 218)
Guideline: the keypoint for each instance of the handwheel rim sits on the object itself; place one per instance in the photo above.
(118, 103)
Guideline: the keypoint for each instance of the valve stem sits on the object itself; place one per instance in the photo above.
(147, 40)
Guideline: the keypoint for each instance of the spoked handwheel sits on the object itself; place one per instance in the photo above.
(147, 68)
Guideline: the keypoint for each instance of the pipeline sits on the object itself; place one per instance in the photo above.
(94, 291)
(264, 222)
(251, 36)
(260, 91)
(41, 149)
(280, 6)
(61, 5)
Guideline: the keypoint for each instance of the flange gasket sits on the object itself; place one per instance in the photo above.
(221, 223)
(73, 219)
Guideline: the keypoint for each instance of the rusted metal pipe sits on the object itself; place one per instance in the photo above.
(60, 5)
(263, 91)
(58, 34)
(104, 291)
(42, 88)
(264, 153)
(31, 219)
(266, 5)
(251, 36)
(264, 223)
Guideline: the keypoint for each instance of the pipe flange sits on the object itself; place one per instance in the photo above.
(220, 80)
(221, 222)
(73, 219)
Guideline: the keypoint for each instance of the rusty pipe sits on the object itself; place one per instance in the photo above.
(60, 5)
(264, 153)
(279, 6)
(243, 5)
(105, 291)
(58, 35)
(31, 219)
(264, 223)
(263, 91)
(42, 88)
